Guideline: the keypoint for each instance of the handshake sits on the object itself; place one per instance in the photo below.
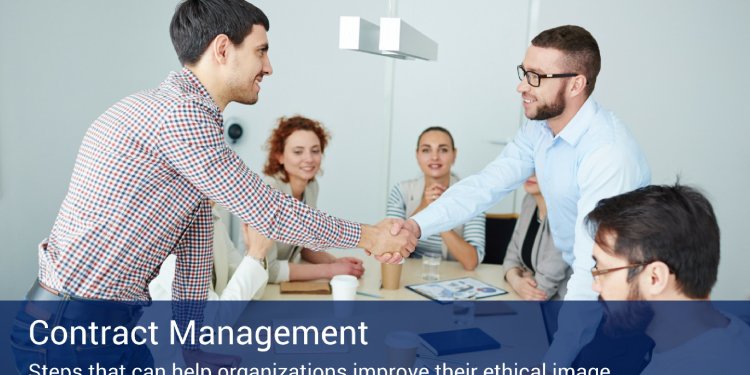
(390, 240)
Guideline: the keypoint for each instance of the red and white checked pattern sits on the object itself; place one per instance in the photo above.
(139, 190)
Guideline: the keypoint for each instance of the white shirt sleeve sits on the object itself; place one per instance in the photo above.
(282, 272)
(160, 288)
(248, 282)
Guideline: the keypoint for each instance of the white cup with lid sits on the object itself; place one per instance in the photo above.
(344, 287)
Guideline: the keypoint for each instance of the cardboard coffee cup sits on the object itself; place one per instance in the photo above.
(390, 274)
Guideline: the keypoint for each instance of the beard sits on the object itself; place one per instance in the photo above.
(627, 318)
(239, 92)
(553, 109)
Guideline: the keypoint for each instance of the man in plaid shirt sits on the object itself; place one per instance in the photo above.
(148, 166)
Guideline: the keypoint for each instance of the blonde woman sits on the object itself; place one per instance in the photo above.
(436, 154)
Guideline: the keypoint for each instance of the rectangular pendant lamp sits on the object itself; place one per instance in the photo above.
(393, 38)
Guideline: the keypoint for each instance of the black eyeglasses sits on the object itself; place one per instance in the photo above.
(534, 78)
(595, 272)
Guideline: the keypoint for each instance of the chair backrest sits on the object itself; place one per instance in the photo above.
(498, 232)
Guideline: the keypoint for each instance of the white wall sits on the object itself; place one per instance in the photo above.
(674, 77)
(62, 63)
(342, 89)
(470, 90)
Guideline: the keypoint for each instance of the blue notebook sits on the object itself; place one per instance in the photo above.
(458, 341)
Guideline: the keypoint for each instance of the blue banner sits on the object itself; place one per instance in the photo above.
(374, 338)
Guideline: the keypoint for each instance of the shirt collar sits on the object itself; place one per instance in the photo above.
(580, 123)
(193, 85)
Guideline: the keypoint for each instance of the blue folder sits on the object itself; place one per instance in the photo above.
(458, 341)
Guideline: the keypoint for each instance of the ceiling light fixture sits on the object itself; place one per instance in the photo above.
(393, 38)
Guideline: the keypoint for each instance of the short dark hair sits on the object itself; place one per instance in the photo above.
(438, 129)
(197, 22)
(672, 224)
(580, 48)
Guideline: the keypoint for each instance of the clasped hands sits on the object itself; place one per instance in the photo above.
(390, 240)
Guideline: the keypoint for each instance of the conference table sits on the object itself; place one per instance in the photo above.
(521, 332)
(369, 283)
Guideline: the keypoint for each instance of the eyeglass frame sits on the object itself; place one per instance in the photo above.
(520, 69)
(595, 273)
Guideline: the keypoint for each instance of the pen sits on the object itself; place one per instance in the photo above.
(369, 295)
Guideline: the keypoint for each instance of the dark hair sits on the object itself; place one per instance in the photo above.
(580, 48)
(672, 224)
(277, 141)
(197, 22)
(438, 129)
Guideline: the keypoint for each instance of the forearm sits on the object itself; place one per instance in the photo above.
(317, 257)
(466, 199)
(460, 249)
(302, 272)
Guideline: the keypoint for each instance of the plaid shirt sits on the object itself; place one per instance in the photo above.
(140, 190)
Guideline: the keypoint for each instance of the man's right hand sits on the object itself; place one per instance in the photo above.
(397, 227)
(391, 237)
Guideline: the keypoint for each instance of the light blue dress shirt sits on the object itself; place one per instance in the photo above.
(592, 158)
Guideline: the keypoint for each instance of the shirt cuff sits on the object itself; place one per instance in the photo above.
(351, 234)
(425, 222)
(283, 274)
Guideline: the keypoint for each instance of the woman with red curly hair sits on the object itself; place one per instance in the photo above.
(295, 151)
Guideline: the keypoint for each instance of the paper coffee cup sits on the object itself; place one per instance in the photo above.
(344, 287)
(390, 275)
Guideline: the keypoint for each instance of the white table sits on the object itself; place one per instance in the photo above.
(411, 274)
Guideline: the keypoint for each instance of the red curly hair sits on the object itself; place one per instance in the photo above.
(277, 141)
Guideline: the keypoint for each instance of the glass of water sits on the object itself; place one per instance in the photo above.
(431, 267)
(463, 307)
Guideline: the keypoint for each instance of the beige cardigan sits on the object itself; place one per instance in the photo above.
(551, 271)
(280, 253)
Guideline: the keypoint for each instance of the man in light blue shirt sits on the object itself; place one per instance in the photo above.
(581, 153)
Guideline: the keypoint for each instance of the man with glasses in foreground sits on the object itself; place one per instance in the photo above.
(657, 244)
(581, 153)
